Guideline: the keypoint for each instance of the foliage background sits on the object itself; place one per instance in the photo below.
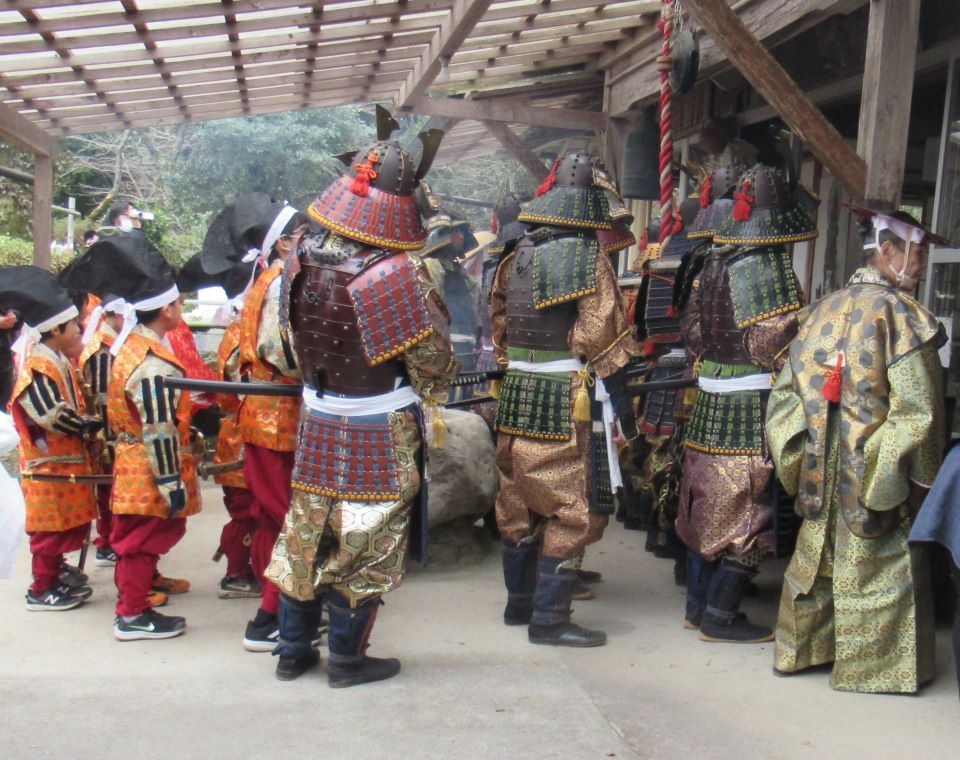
(186, 174)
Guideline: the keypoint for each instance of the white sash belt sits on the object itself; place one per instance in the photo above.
(609, 419)
(760, 382)
(360, 406)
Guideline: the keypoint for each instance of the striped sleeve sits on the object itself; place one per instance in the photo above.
(46, 407)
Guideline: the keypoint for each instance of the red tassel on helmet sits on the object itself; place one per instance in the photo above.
(743, 206)
(550, 180)
(493, 223)
(831, 388)
(365, 173)
(677, 222)
(644, 240)
(705, 191)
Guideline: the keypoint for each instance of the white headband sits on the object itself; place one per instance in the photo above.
(93, 320)
(129, 311)
(906, 232)
(31, 334)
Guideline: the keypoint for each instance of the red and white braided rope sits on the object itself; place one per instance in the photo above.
(664, 66)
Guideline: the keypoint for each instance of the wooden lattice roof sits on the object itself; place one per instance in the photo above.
(75, 66)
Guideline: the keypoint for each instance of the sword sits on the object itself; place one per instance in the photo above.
(205, 470)
(49, 478)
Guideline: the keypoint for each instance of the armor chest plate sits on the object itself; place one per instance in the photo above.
(328, 343)
(722, 339)
(528, 327)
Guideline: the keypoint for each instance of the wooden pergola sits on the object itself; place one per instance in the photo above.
(488, 71)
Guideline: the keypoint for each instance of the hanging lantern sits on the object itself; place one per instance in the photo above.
(641, 157)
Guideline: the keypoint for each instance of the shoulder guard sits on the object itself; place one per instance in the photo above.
(390, 305)
(564, 268)
(762, 285)
(690, 265)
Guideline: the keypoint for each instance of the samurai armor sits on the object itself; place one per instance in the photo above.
(657, 319)
(329, 344)
(388, 332)
(530, 326)
(347, 460)
(765, 212)
(535, 405)
(657, 408)
(716, 200)
(617, 238)
(564, 269)
(762, 285)
(728, 423)
(723, 341)
(573, 195)
(506, 226)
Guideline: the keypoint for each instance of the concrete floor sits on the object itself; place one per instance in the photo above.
(470, 687)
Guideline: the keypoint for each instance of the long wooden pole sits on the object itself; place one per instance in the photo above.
(768, 77)
(42, 211)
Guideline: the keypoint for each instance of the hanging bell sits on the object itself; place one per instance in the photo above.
(641, 160)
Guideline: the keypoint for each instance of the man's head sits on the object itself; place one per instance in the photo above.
(64, 338)
(897, 246)
(124, 215)
(164, 319)
(289, 238)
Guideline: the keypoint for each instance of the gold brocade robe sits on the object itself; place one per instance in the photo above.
(891, 404)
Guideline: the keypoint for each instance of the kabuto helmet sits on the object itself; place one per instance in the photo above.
(379, 201)
(682, 241)
(505, 224)
(440, 234)
(570, 195)
(765, 212)
(716, 200)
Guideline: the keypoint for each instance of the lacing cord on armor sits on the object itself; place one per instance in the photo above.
(362, 406)
(601, 395)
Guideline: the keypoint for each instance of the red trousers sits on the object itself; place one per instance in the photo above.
(237, 535)
(48, 548)
(268, 474)
(139, 542)
(104, 517)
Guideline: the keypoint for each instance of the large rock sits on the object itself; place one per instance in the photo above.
(463, 472)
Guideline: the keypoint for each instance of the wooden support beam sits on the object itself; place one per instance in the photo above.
(23, 133)
(887, 91)
(454, 29)
(42, 210)
(767, 76)
(520, 151)
(512, 113)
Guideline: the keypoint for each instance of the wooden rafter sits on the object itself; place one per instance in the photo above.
(516, 113)
(767, 76)
(516, 147)
(460, 21)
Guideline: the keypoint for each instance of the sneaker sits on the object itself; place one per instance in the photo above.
(261, 638)
(105, 557)
(78, 590)
(239, 587)
(149, 624)
(170, 585)
(157, 599)
(73, 575)
(56, 599)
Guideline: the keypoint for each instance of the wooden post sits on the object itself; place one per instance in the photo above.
(767, 76)
(42, 211)
(887, 92)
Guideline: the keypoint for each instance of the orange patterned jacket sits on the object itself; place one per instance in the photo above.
(153, 454)
(46, 408)
(267, 421)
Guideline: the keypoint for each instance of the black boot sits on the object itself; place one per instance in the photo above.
(699, 574)
(722, 620)
(298, 625)
(347, 638)
(520, 578)
(550, 623)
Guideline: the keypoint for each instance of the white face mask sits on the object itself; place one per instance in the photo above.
(126, 223)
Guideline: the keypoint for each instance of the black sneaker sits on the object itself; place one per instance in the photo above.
(261, 638)
(105, 557)
(239, 587)
(56, 599)
(290, 668)
(72, 575)
(75, 589)
(149, 624)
